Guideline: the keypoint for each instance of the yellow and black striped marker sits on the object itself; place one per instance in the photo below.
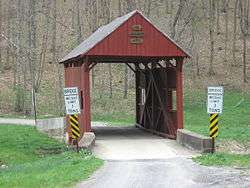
(213, 129)
(74, 126)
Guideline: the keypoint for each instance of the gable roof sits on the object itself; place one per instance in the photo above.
(104, 31)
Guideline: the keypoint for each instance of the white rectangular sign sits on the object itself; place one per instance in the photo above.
(215, 100)
(71, 100)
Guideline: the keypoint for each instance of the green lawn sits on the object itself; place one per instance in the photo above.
(234, 125)
(34, 160)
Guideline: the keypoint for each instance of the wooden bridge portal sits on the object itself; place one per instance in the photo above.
(156, 60)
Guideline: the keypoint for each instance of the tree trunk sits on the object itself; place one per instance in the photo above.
(211, 35)
(125, 95)
(234, 32)
(218, 17)
(244, 23)
(226, 2)
(197, 65)
(58, 81)
(0, 35)
(8, 31)
(54, 26)
(110, 81)
(149, 2)
(166, 7)
(204, 8)
(244, 58)
(78, 22)
(32, 41)
(176, 18)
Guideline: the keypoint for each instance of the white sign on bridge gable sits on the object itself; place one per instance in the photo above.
(214, 100)
(71, 100)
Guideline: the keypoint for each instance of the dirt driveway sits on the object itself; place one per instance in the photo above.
(137, 159)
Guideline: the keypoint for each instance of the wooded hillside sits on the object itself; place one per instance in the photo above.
(35, 35)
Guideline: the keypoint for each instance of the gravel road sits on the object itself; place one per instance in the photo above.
(136, 159)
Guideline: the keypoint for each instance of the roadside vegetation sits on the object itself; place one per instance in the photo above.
(233, 142)
(224, 159)
(30, 159)
(115, 110)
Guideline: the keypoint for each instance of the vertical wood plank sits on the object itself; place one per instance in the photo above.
(86, 114)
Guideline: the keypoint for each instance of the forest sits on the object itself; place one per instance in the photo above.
(35, 35)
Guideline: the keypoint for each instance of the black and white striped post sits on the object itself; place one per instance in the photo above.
(214, 108)
(72, 105)
(213, 129)
(75, 129)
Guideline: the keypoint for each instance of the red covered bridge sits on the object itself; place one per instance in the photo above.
(156, 60)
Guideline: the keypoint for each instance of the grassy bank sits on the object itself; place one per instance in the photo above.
(34, 160)
(233, 142)
(234, 122)
(224, 159)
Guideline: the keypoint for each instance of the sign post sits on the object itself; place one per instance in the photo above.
(214, 108)
(73, 109)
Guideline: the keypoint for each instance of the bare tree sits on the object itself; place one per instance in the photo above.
(211, 35)
(218, 17)
(54, 27)
(19, 101)
(79, 28)
(177, 17)
(8, 34)
(58, 82)
(244, 25)
(147, 7)
(0, 35)
(92, 17)
(204, 8)
(195, 46)
(108, 16)
(236, 4)
(36, 61)
(225, 11)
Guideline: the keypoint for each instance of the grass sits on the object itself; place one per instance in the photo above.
(234, 125)
(121, 119)
(34, 160)
(115, 110)
(224, 159)
(234, 122)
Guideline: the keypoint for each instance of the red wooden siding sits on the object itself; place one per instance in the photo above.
(158, 82)
(154, 44)
(73, 79)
